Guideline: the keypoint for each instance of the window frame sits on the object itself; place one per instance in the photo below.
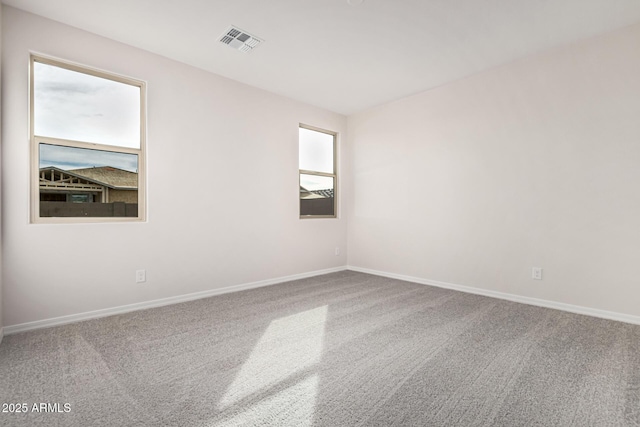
(333, 175)
(36, 140)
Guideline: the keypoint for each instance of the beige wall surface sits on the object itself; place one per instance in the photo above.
(534, 163)
(127, 196)
(228, 149)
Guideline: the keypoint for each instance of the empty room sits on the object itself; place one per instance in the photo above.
(320, 213)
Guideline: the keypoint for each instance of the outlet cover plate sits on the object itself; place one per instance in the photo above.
(141, 276)
(536, 273)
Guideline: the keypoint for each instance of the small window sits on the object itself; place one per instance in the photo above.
(80, 198)
(317, 170)
(88, 140)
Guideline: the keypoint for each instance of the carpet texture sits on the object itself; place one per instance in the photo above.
(343, 349)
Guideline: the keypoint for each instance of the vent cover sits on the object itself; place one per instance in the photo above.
(240, 40)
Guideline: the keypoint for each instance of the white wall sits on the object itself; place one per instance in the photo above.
(222, 187)
(535, 163)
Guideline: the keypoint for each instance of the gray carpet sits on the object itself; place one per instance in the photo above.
(344, 349)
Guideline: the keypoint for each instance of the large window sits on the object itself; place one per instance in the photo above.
(317, 152)
(87, 144)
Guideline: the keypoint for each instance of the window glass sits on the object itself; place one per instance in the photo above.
(316, 151)
(80, 198)
(87, 144)
(316, 195)
(82, 107)
(317, 173)
(69, 158)
(107, 182)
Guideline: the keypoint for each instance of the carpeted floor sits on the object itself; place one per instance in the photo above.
(344, 349)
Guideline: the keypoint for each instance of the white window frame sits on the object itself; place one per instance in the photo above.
(333, 175)
(36, 140)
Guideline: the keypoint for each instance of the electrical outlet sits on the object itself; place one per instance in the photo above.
(141, 276)
(337, 250)
(536, 273)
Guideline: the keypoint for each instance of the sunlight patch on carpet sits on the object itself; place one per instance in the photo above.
(277, 371)
(293, 406)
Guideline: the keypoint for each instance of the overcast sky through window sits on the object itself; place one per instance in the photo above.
(316, 154)
(81, 107)
(68, 158)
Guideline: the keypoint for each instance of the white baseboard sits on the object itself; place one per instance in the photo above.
(63, 320)
(611, 315)
(46, 323)
(1, 334)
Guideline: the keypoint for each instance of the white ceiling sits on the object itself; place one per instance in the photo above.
(341, 57)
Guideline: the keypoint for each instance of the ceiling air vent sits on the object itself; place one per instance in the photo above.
(239, 39)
